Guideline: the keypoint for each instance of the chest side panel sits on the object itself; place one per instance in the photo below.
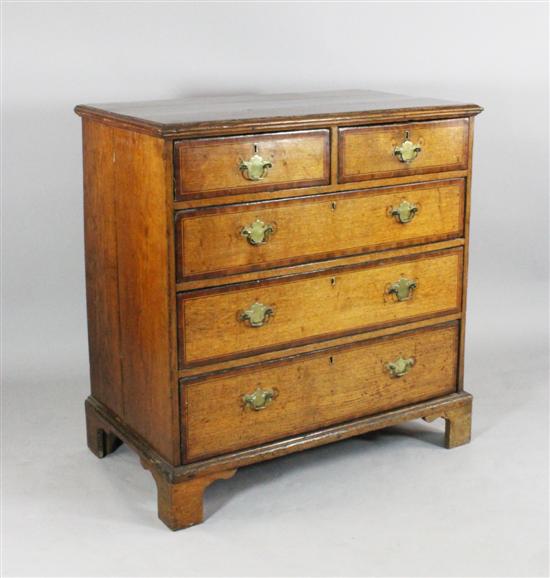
(131, 287)
(100, 237)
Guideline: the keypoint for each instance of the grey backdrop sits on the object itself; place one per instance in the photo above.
(399, 505)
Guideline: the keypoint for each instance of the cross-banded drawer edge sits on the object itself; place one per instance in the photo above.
(246, 407)
(245, 237)
(248, 318)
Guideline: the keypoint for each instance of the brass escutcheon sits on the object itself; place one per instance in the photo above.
(255, 168)
(402, 289)
(257, 314)
(259, 399)
(404, 213)
(400, 366)
(407, 151)
(257, 233)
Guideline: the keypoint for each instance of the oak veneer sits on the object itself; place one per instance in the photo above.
(315, 306)
(169, 271)
(367, 152)
(317, 390)
(313, 228)
(211, 166)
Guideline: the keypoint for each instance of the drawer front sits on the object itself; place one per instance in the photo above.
(376, 152)
(238, 320)
(251, 237)
(317, 391)
(222, 166)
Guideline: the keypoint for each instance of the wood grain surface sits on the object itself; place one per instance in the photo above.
(210, 241)
(311, 307)
(210, 167)
(129, 281)
(368, 152)
(262, 112)
(317, 391)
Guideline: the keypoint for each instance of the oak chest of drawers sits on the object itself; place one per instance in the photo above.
(269, 274)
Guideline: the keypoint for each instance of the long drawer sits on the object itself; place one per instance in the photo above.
(242, 319)
(248, 237)
(209, 167)
(395, 150)
(247, 407)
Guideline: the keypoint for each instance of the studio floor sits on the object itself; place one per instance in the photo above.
(392, 503)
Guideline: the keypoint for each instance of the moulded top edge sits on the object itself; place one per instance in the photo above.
(203, 114)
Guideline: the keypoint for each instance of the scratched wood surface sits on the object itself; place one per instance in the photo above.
(263, 112)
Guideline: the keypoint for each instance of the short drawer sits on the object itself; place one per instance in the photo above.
(394, 150)
(256, 236)
(208, 167)
(222, 414)
(241, 319)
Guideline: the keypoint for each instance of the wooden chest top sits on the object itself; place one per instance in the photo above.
(206, 114)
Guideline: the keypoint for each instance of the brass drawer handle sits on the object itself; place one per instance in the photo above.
(257, 233)
(407, 151)
(257, 314)
(404, 213)
(402, 289)
(255, 168)
(400, 366)
(259, 399)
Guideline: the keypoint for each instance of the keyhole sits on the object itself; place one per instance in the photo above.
(333, 205)
(331, 360)
(333, 281)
